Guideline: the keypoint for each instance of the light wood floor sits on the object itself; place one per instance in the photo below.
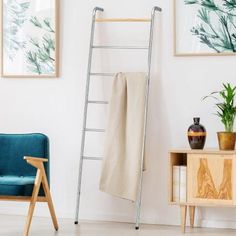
(13, 226)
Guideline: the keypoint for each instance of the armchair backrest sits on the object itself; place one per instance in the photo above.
(13, 147)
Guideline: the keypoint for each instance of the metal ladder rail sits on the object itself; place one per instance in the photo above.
(85, 111)
(82, 157)
(139, 197)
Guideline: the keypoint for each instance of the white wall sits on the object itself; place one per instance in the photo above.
(55, 107)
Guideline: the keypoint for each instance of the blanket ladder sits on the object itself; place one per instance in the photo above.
(87, 101)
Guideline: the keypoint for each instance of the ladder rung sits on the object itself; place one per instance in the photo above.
(103, 74)
(98, 102)
(92, 158)
(120, 47)
(94, 130)
(123, 20)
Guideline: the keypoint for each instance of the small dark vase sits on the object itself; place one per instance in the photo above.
(196, 134)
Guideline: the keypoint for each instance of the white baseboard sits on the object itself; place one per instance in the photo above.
(207, 223)
(221, 224)
(42, 211)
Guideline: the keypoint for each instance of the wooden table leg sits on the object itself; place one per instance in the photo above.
(183, 210)
(191, 215)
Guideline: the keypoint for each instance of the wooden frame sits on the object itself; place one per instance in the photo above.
(56, 57)
(184, 54)
(41, 179)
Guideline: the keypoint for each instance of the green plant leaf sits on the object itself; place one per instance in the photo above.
(226, 109)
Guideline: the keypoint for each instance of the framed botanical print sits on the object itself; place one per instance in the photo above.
(204, 27)
(30, 38)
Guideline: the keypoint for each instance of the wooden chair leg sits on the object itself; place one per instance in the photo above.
(49, 200)
(183, 210)
(34, 197)
(191, 215)
(38, 163)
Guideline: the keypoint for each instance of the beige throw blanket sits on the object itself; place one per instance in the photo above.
(122, 162)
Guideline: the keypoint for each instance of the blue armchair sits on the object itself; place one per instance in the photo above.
(24, 172)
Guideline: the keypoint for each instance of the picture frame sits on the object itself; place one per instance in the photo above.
(30, 38)
(200, 28)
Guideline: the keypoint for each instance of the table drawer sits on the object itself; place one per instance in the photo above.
(210, 179)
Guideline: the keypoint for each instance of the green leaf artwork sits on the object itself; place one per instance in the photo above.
(14, 18)
(216, 27)
(41, 56)
(29, 38)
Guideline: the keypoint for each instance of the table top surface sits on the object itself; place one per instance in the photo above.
(202, 151)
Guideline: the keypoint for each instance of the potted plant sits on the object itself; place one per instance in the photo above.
(226, 110)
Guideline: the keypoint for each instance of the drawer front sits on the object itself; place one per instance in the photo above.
(210, 179)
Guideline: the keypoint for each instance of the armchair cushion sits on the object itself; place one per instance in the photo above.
(16, 185)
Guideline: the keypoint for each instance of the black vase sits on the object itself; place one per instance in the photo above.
(196, 134)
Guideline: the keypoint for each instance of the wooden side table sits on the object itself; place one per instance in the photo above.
(210, 180)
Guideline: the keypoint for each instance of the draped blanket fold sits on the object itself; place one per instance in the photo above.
(122, 163)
